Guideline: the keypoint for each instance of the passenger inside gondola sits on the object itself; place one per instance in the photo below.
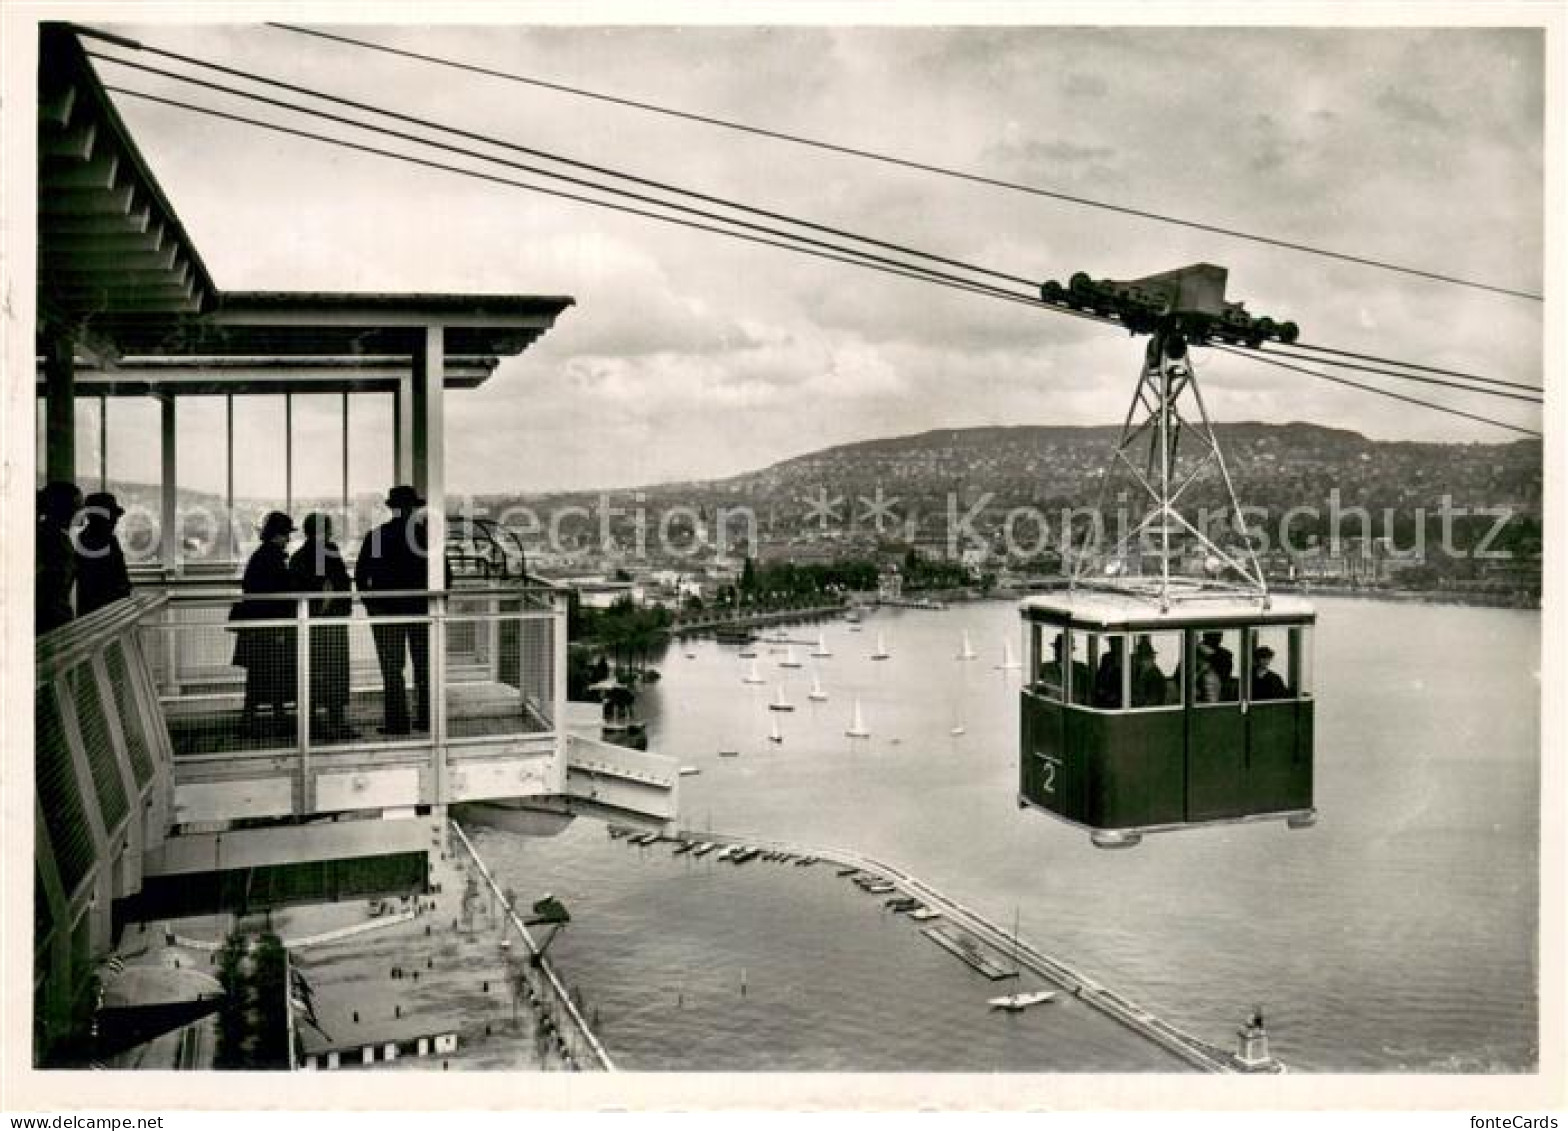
(1108, 677)
(1051, 678)
(1215, 677)
(1266, 684)
(1148, 681)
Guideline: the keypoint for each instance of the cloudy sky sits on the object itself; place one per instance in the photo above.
(690, 355)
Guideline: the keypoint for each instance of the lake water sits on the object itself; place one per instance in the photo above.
(1397, 935)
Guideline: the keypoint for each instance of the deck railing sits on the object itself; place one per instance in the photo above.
(438, 691)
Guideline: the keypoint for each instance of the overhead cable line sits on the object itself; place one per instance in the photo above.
(580, 182)
(784, 218)
(1374, 389)
(907, 163)
(913, 272)
(851, 256)
(1308, 346)
(488, 139)
(1534, 397)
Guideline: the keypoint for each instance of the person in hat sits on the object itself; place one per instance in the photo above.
(54, 563)
(317, 567)
(1266, 684)
(101, 576)
(1148, 681)
(393, 557)
(1222, 662)
(267, 653)
(1108, 676)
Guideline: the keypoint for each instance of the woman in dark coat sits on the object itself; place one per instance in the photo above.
(267, 654)
(317, 567)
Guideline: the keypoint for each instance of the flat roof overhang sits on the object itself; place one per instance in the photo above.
(122, 281)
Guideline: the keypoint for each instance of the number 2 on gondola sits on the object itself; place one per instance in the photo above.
(1048, 782)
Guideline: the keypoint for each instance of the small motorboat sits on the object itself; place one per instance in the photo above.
(729, 753)
(703, 849)
(689, 771)
(1017, 1003)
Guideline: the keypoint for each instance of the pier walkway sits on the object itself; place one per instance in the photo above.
(1200, 1054)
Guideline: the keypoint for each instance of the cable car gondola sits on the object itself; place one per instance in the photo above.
(1136, 720)
(1166, 687)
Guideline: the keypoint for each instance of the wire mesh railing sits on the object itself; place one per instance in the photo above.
(292, 673)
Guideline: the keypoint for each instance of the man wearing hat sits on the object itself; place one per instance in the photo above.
(54, 563)
(267, 653)
(391, 558)
(101, 576)
(1266, 684)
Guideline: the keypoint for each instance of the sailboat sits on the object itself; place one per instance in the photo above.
(781, 703)
(776, 735)
(857, 724)
(789, 660)
(754, 676)
(1017, 1003)
(881, 653)
(822, 646)
(1009, 661)
(816, 693)
(967, 651)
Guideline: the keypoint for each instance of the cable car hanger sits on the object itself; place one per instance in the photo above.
(1176, 309)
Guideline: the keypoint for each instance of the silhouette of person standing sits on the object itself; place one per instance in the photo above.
(317, 567)
(391, 558)
(267, 653)
(101, 576)
(54, 568)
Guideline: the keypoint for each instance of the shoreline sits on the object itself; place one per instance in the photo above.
(1196, 1052)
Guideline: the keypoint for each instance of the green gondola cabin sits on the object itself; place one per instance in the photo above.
(1136, 720)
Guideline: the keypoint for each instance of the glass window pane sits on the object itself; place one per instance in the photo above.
(1215, 676)
(1085, 655)
(1279, 667)
(1047, 644)
(1110, 673)
(1155, 672)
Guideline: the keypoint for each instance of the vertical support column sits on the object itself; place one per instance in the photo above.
(288, 453)
(228, 474)
(169, 535)
(429, 446)
(403, 431)
(346, 532)
(60, 410)
(103, 442)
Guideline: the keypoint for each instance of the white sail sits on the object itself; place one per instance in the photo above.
(881, 652)
(789, 660)
(822, 645)
(776, 735)
(781, 703)
(967, 651)
(857, 724)
(1009, 661)
(816, 693)
(753, 676)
